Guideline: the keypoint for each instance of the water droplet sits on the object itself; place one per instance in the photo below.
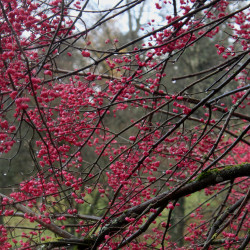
(173, 81)
(4, 173)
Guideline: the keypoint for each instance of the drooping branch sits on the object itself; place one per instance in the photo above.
(80, 216)
(52, 227)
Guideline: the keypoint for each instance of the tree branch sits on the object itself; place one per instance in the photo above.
(204, 180)
(52, 227)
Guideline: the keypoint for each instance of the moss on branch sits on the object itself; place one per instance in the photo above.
(216, 171)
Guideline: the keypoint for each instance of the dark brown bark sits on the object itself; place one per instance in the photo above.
(204, 180)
